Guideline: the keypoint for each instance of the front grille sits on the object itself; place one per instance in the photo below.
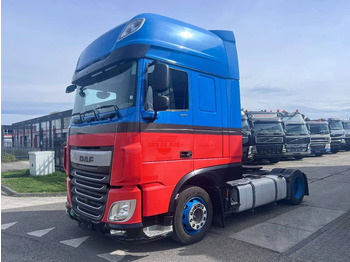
(270, 149)
(317, 147)
(261, 139)
(336, 135)
(89, 193)
(320, 139)
(297, 140)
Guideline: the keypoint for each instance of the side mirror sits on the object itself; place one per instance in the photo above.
(160, 103)
(71, 88)
(159, 78)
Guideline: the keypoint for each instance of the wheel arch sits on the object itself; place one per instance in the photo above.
(212, 180)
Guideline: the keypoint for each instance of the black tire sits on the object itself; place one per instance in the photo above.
(197, 200)
(298, 189)
(298, 157)
(318, 154)
(334, 151)
(274, 160)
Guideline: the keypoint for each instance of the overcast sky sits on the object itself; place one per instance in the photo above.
(292, 54)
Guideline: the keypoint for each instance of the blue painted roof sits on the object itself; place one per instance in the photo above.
(174, 42)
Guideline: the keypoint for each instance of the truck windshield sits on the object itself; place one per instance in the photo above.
(245, 126)
(346, 125)
(335, 125)
(268, 128)
(110, 89)
(319, 129)
(296, 129)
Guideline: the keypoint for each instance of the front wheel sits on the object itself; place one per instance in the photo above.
(334, 151)
(193, 215)
(274, 160)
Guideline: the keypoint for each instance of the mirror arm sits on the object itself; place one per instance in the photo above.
(155, 116)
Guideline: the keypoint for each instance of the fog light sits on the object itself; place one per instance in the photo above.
(122, 211)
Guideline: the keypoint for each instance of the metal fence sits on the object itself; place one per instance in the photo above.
(18, 152)
(22, 152)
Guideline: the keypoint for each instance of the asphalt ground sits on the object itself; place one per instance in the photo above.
(37, 229)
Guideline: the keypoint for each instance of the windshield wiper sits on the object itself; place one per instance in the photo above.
(110, 114)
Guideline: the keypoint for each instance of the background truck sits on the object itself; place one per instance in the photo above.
(297, 135)
(268, 137)
(337, 134)
(346, 126)
(247, 155)
(320, 137)
(155, 141)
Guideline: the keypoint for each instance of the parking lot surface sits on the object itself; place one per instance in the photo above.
(317, 230)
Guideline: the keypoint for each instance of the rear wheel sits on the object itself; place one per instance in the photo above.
(298, 189)
(193, 215)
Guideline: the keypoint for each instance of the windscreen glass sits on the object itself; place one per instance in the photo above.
(245, 126)
(271, 128)
(112, 88)
(319, 129)
(336, 125)
(346, 125)
(296, 129)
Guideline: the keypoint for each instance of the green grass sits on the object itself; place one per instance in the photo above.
(8, 158)
(22, 182)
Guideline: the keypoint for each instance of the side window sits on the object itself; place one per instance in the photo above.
(177, 93)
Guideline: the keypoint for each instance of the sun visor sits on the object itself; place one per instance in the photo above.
(100, 48)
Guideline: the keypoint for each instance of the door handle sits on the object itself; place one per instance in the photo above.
(186, 154)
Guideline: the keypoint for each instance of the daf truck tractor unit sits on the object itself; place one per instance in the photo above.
(268, 137)
(320, 137)
(297, 135)
(247, 156)
(155, 142)
(346, 126)
(337, 134)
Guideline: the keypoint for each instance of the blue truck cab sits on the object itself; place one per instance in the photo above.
(155, 141)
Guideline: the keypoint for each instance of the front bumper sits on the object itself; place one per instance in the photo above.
(297, 152)
(122, 232)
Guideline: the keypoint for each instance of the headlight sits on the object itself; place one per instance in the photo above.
(131, 28)
(122, 211)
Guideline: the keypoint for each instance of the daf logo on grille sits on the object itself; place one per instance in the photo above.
(86, 159)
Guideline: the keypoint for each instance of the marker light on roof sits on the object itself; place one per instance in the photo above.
(131, 28)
